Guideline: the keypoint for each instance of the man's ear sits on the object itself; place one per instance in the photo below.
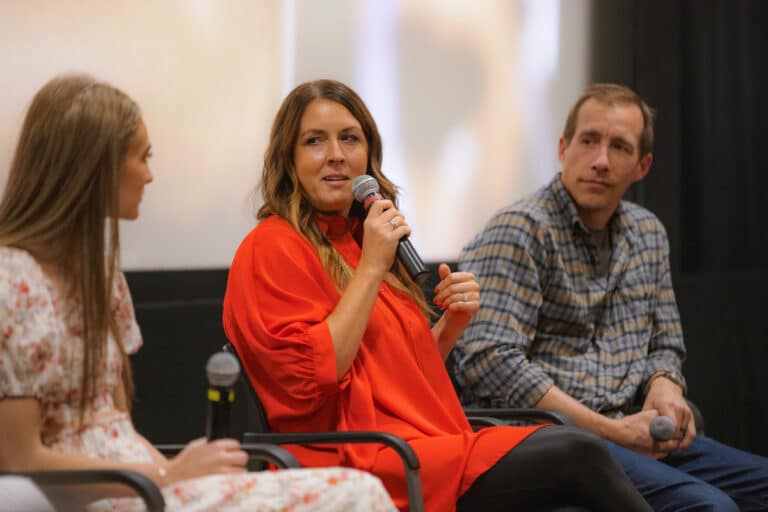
(644, 166)
(562, 145)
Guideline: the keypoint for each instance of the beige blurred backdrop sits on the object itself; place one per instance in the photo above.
(470, 97)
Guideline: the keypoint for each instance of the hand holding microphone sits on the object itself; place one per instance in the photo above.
(216, 452)
(662, 428)
(365, 188)
(202, 458)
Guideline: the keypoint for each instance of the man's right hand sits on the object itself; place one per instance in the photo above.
(631, 432)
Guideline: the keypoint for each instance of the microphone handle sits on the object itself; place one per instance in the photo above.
(410, 258)
(218, 421)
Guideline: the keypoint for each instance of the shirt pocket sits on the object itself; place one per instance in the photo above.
(633, 305)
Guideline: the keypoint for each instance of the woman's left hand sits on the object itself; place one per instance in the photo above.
(458, 294)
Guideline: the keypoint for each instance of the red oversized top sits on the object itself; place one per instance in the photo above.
(278, 297)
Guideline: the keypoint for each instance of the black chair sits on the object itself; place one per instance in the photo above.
(59, 486)
(259, 433)
(698, 417)
(272, 453)
(478, 418)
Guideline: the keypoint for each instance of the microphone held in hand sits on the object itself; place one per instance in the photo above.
(662, 428)
(223, 370)
(365, 188)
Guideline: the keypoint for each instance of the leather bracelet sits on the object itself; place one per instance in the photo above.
(663, 373)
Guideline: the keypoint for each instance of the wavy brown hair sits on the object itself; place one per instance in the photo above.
(61, 201)
(284, 196)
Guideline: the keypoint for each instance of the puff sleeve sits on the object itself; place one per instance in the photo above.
(130, 334)
(278, 297)
(28, 336)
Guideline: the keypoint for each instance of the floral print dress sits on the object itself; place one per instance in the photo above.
(41, 356)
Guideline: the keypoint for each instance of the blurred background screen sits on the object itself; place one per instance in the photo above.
(469, 96)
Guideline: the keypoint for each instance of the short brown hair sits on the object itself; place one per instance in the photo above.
(612, 94)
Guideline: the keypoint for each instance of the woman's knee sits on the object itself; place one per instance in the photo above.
(576, 446)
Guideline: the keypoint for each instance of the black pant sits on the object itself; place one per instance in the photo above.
(555, 468)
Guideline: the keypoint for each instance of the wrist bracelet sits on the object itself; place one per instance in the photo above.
(666, 374)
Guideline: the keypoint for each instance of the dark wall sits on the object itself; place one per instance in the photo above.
(179, 313)
(701, 65)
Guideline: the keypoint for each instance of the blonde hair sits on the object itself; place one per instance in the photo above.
(612, 94)
(61, 200)
(284, 196)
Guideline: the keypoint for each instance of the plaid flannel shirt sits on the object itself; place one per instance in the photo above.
(547, 317)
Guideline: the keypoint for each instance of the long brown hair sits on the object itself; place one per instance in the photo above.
(283, 194)
(61, 201)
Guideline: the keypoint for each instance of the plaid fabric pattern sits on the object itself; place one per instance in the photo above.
(548, 317)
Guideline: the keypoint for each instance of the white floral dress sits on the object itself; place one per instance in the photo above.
(41, 356)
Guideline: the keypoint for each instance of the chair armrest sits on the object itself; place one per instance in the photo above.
(144, 487)
(556, 417)
(259, 451)
(402, 448)
(698, 417)
(480, 422)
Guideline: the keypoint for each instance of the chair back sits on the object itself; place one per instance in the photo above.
(255, 418)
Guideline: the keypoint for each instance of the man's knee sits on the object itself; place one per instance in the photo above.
(696, 497)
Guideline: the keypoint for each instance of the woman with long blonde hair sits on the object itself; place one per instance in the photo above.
(67, 324)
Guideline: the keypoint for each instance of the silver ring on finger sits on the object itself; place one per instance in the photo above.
(394, 223)
(465, 298)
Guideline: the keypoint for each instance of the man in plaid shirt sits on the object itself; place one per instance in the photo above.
(578, 314)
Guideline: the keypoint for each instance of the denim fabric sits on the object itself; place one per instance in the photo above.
(707, 476)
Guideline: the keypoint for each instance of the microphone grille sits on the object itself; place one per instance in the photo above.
(363, 186)
(222, 369)
(662, 428)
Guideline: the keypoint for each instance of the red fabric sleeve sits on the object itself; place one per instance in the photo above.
(278, 297)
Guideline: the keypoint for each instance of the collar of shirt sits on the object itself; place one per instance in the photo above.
(617, 224)
(336, 226)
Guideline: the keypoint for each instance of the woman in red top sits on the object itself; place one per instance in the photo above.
(335, 336)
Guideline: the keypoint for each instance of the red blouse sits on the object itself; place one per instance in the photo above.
(278, 297)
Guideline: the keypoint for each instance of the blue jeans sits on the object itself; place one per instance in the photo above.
(705, 476)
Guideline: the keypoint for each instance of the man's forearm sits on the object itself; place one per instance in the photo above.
(581, 415)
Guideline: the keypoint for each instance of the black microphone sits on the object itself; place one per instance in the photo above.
(365, 188)
(223, 370)
(662, 428)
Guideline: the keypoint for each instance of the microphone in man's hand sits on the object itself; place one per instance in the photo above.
(662, 428)
(365, 188)
(223, 370)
